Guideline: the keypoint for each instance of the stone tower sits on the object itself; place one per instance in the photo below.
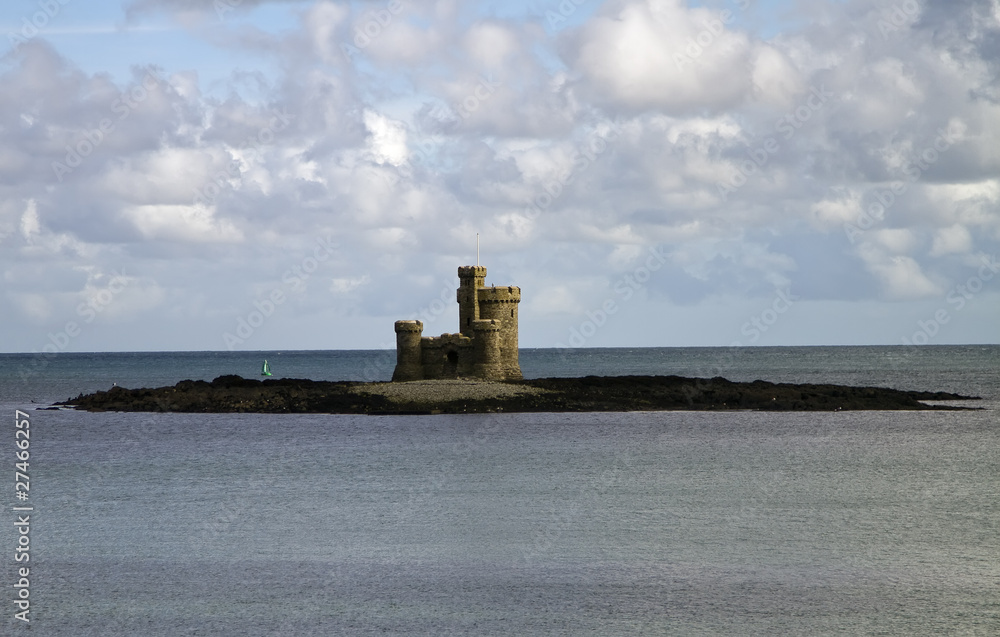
(470, 279)
(499, 305)
(485, 346)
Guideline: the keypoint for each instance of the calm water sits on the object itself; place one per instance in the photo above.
(536, 524)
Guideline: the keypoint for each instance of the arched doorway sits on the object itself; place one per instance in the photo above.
(451, 364)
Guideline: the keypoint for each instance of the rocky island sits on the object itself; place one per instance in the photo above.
(234, 394)
(477, 370)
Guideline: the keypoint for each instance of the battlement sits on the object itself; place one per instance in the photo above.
(486, 346)
(472, 271)
(444, 340)
(409, 326)
(494, 294)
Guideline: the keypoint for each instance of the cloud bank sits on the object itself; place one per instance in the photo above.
(849, 162)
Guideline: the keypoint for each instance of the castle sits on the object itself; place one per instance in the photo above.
(485, 348)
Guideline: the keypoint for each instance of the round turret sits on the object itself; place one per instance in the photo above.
(408, 351)
(409, 326)
(500, 304)
(486, 349)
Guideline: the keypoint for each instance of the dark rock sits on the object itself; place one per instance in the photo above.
(590, 393)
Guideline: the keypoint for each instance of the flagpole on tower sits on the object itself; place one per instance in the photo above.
(477, 248)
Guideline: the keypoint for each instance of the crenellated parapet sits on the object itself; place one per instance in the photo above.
(502, 294)
(486, 346)
(409, 326)
(472, 272)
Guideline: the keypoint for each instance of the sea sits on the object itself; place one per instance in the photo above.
(631, 523)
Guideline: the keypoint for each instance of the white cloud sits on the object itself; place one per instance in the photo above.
(776, 80)
(660, 54)
(834, 213)
(184, 223)
(901, 276)
(896, 240)
(491, 44)
(348, 284)
(555, 299)
(118, 297)
(30, 226)
(36, 307)
(952, 240)
(166, 176)
(380, 155)
(387, 143)
(323, 25)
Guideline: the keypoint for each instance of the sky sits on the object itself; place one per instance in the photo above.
(285, 174)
